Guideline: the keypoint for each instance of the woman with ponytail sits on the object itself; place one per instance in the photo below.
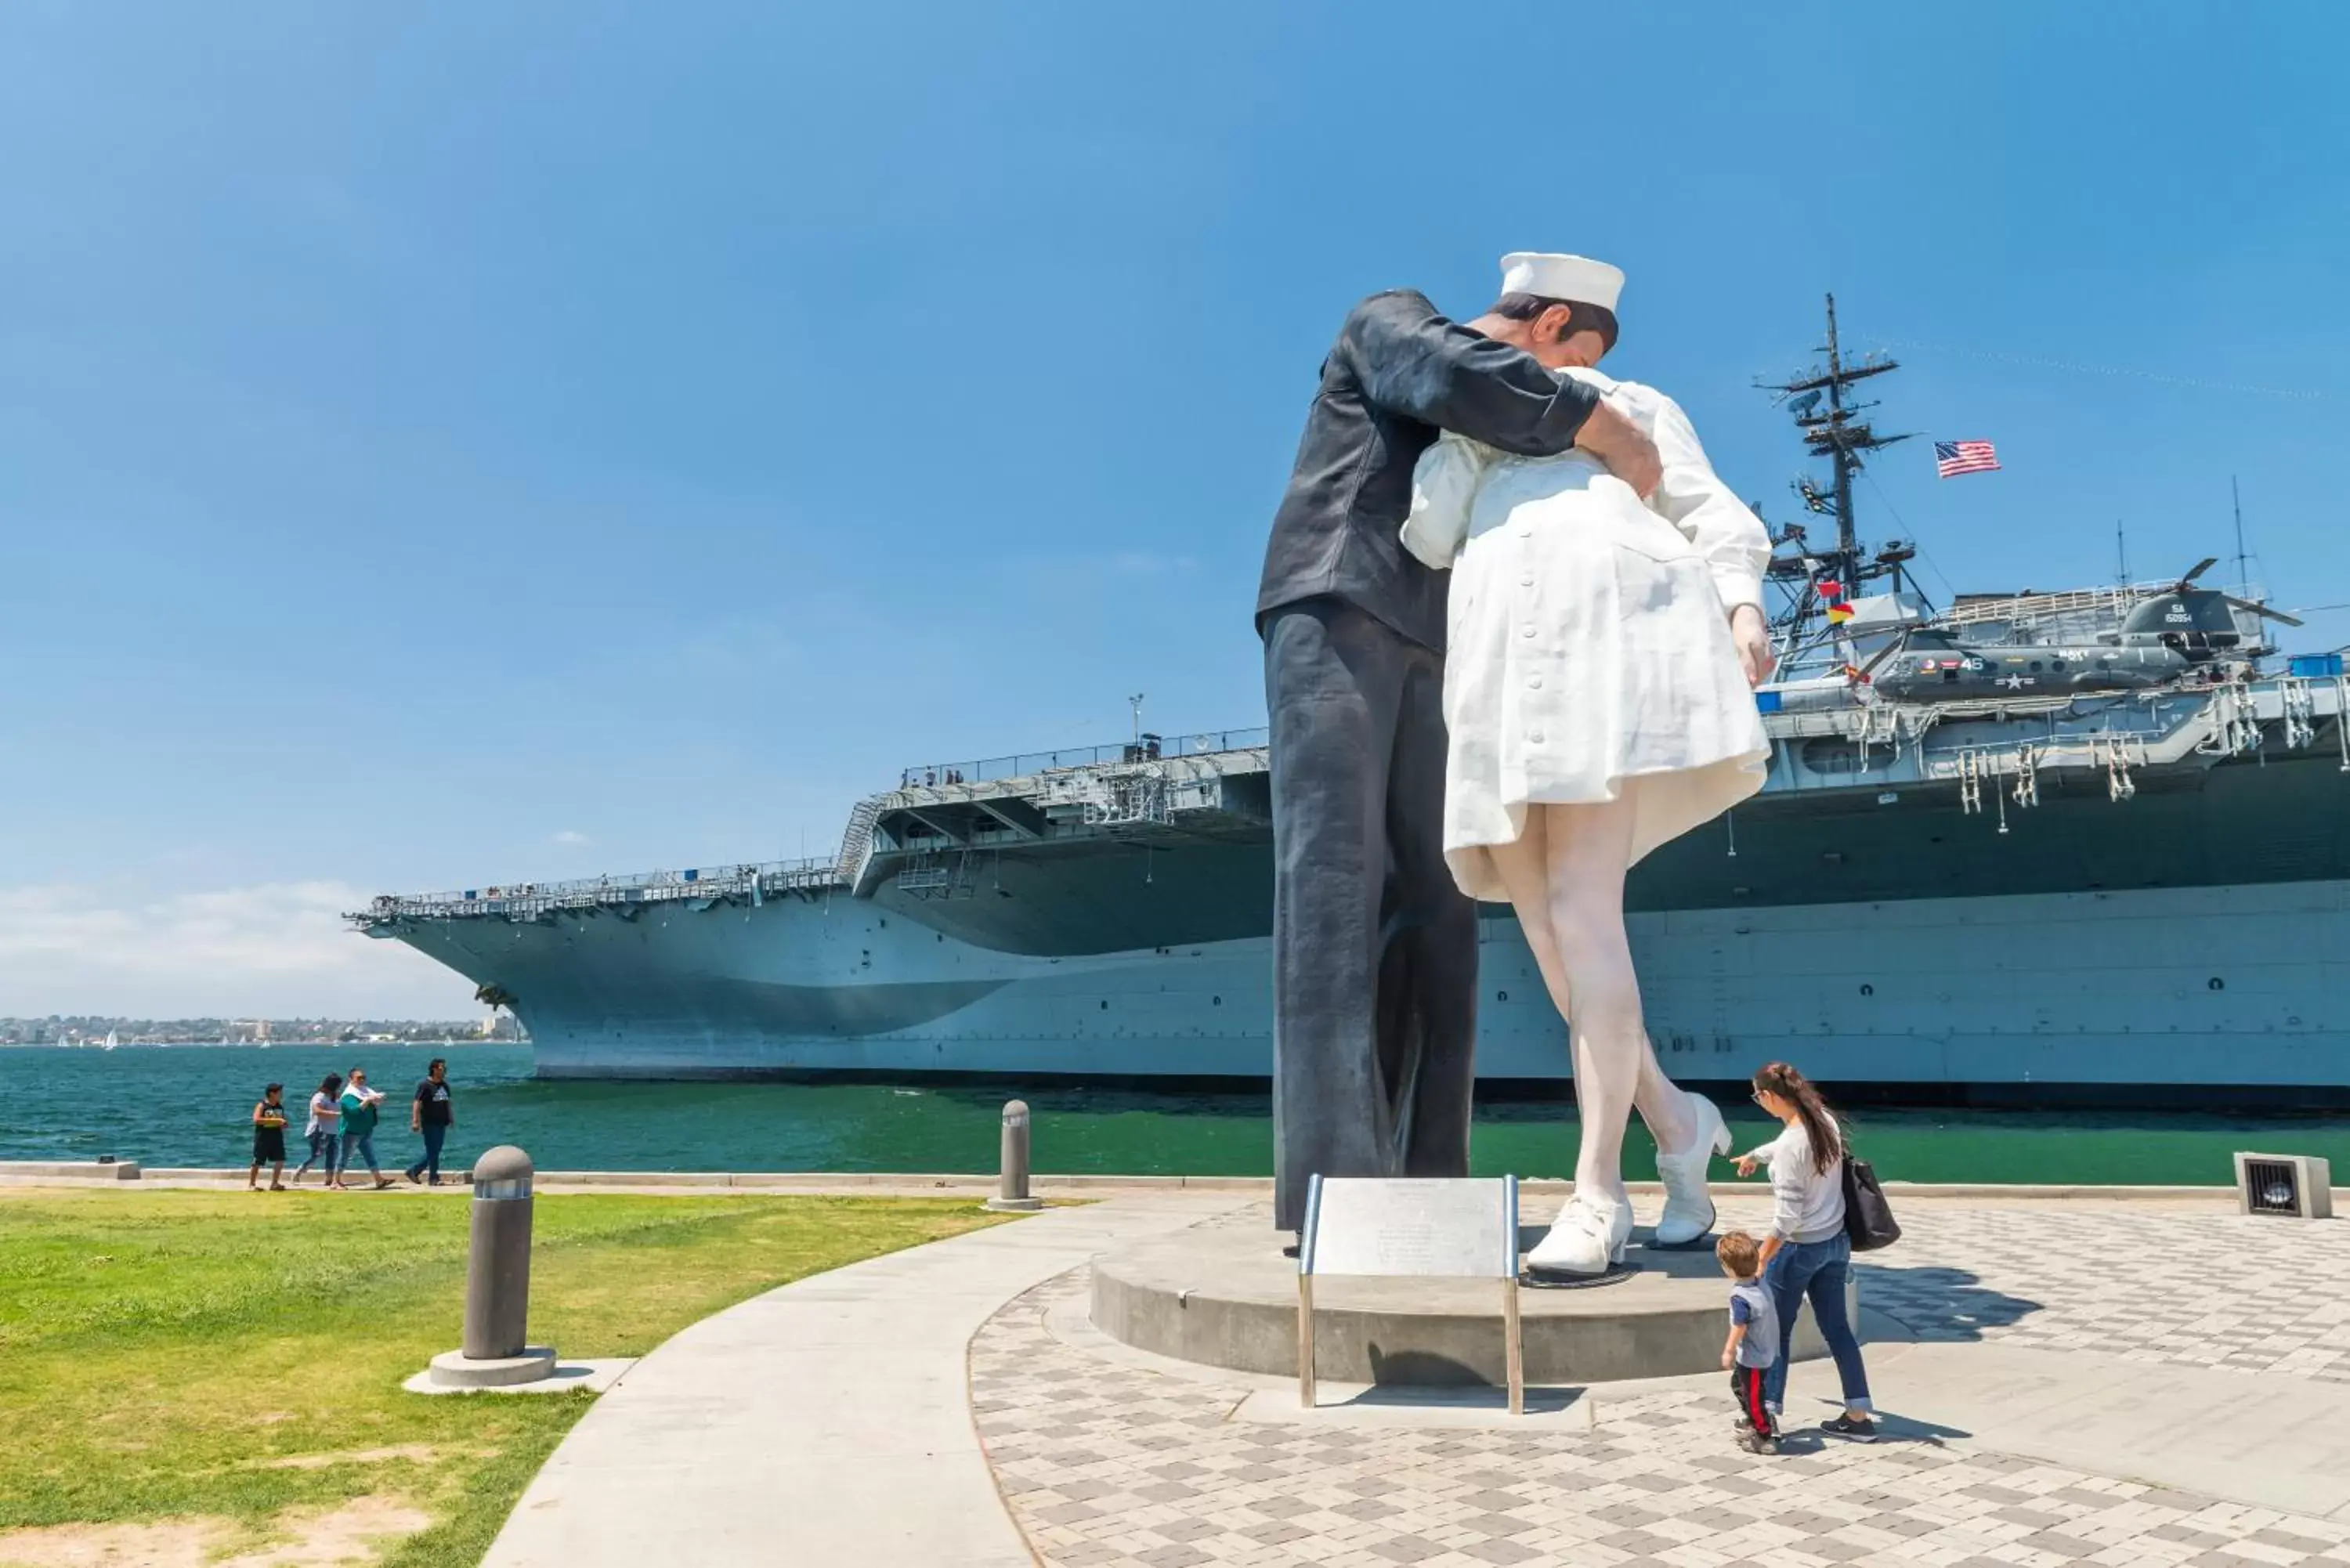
(1808, 1255)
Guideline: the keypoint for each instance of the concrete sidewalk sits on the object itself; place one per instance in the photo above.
(828, 1422)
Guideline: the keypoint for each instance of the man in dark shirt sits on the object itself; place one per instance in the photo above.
(430, 1114)
(1375, 949)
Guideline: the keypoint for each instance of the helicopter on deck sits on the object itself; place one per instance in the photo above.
(2162, 640)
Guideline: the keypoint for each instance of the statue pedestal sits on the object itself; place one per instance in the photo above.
(1225, 1296)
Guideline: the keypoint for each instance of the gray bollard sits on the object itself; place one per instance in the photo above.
(497, 1265)
(496, 1351)
(1012, 1191)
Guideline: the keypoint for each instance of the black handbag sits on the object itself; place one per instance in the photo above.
(1867, 1217)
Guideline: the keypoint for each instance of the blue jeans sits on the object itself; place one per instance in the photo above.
(1819, 1271)
(324, 1148)
(363, 1146)
(434, 1133)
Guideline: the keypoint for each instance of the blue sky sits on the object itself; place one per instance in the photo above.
(442, 445)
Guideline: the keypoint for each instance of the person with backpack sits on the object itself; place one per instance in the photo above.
(1808, 1253)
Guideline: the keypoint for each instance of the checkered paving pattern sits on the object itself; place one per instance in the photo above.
(2192, 1286)
(1108, 1464)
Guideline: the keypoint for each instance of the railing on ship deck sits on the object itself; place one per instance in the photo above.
(1021, 764)
(529, 899)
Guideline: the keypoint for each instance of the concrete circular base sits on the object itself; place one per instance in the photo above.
(1224, 1296)
(1015, 1205)
(455, 1369)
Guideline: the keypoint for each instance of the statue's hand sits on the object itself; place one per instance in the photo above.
(1754, 641)
(1624, 447)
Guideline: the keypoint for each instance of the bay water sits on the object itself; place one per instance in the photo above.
(190, 1105)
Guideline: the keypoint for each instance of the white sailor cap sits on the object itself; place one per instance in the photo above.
(1578, 280)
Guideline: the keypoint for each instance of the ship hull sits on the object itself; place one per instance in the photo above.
(2218, 993)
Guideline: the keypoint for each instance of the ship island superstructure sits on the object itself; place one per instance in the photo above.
(2070, 860)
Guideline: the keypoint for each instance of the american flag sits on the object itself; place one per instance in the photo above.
(1955, 457)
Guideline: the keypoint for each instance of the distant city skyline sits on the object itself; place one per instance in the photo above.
(510, 442)
(90, 1029)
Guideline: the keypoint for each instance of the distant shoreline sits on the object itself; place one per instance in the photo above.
(464, 1042)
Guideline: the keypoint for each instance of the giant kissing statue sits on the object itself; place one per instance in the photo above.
(1375, 949)
(1603, 645)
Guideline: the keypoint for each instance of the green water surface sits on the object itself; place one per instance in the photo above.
(188, 1106)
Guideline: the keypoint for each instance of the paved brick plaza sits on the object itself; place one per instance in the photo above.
(1109, 1458)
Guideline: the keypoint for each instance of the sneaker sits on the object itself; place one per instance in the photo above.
(1859, 1428)
(414, 1179)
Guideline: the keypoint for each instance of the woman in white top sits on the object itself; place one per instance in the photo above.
(324, 1128)
(1808, 1254)
(1603, 647)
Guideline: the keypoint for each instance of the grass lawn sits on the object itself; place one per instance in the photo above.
(225, 1368)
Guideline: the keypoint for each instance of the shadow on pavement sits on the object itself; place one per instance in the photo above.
(1939, 1304)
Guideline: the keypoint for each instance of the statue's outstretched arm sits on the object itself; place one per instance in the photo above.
(1692, 497)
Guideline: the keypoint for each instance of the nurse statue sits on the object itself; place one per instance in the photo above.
(1598, 698)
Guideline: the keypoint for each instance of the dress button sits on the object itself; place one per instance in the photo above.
(1525, 532)
(1535, 737)
(1533, 683)
(1526, 631)
(1527, 581)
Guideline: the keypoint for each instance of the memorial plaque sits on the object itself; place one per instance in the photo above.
(1451, 1229)
(1401, 1227)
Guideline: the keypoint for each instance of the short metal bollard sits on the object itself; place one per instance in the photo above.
(497, 1264)
(1011, 1191)
(496, 1351)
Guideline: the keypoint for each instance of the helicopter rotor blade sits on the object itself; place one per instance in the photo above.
(2261, 609)
(2197, 570)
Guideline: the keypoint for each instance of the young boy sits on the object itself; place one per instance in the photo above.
(1753, 1342)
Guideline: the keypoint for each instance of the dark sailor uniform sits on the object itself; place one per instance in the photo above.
(1375, 949)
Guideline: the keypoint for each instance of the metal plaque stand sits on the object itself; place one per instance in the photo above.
(1411, 1228)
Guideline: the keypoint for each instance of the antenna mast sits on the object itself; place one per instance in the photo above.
(2236, 497)
(1835, 425)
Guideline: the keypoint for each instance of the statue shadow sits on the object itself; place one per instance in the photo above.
(1937, 1304)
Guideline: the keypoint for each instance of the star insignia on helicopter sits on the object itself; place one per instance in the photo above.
(2018, 682)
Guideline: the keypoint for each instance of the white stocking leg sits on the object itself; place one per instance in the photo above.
(1668, 1110)
(1523, 867)
(1585, 849)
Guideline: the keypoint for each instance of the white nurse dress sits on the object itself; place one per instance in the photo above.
(1590, 655)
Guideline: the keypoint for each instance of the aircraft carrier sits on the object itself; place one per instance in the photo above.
(2088, 847)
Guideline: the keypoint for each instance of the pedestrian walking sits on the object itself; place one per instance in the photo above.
(268, 1140)
(324, 1128)
(1754, 1342)
(361, 1109)
(1808, 1254)
(430, 1114)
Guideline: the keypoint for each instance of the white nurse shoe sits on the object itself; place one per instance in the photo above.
(1587, 1236)
(1688, 1202)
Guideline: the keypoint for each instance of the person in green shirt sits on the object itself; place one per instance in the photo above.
(361, 1109)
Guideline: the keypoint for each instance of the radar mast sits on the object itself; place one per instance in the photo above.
(1834, 424)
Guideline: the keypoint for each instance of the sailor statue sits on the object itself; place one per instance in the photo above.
(1605, 641)
(1375, 948)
